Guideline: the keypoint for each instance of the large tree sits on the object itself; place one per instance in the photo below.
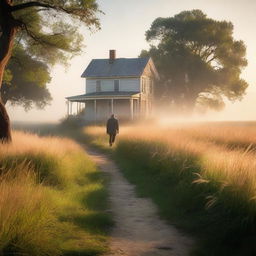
(198, 60)
(46, 29)
(25, 81)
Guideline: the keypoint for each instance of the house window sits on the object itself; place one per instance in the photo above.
(116, 85)
(98, 86)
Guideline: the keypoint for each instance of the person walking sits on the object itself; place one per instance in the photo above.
(112, 129)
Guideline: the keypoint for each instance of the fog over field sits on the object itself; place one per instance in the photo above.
(131, 19)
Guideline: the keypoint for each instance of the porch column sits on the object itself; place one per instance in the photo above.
(71, 108)
(131, 108)
(95, 110)
(136, 108)
(112, 106)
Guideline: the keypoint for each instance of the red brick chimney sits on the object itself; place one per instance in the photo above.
(112, 56)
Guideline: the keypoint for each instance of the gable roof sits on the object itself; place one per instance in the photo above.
(120, 67)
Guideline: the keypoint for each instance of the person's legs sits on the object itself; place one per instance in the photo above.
(113, 138)
(110, 139)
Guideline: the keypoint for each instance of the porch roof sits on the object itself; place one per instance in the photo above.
(103, 96)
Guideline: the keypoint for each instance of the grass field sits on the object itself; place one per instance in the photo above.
(201, 176)
(53, 199)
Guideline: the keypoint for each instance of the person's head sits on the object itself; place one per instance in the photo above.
(113, 116)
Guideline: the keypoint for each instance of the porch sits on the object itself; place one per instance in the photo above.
(99, 106)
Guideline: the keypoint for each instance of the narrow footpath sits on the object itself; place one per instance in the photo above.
(138, 230)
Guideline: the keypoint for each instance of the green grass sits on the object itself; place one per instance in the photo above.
(205, 191)
(227, 228)
(53, 199)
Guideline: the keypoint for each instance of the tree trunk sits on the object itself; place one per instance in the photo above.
(5, 127)
(4, 92)
(190, 100)
(8, 28)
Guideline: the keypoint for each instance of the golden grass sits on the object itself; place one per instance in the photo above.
(201, 176)
(43, 185)
(27, 215)
(234, 135)
(234, 168)
(31, 143)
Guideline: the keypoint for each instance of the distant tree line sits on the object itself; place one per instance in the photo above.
(198, 59)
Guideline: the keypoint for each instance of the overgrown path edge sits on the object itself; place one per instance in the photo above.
(138, 230)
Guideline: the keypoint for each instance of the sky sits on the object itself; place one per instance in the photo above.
(123, 28)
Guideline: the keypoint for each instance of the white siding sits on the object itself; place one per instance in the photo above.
(147, 85)
(103, 110)
(107, 85)
(90, 86)
(130, 84)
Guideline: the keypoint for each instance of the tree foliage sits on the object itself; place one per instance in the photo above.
(198, 59)
(25, 81)
(43, 40)
(50, 29)
(47, 30)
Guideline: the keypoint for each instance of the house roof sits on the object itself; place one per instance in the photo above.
(120, 67)
(106, 95)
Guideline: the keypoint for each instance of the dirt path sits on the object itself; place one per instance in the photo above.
(138, 230)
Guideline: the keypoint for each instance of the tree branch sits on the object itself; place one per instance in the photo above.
(41, 40)
(30, 4)
(207, 51)
(76, 11)
(85, 15)
(213, 58)
(17, 60)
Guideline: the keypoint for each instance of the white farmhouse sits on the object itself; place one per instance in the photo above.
(122, 86)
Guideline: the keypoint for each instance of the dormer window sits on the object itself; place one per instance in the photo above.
(98, 86)
(116, 85)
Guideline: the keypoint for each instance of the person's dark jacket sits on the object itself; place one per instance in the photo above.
(112, 126)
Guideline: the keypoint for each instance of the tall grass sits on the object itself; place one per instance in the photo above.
(27, 218)
(52, 199)
(197, 179)
(232, 136)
